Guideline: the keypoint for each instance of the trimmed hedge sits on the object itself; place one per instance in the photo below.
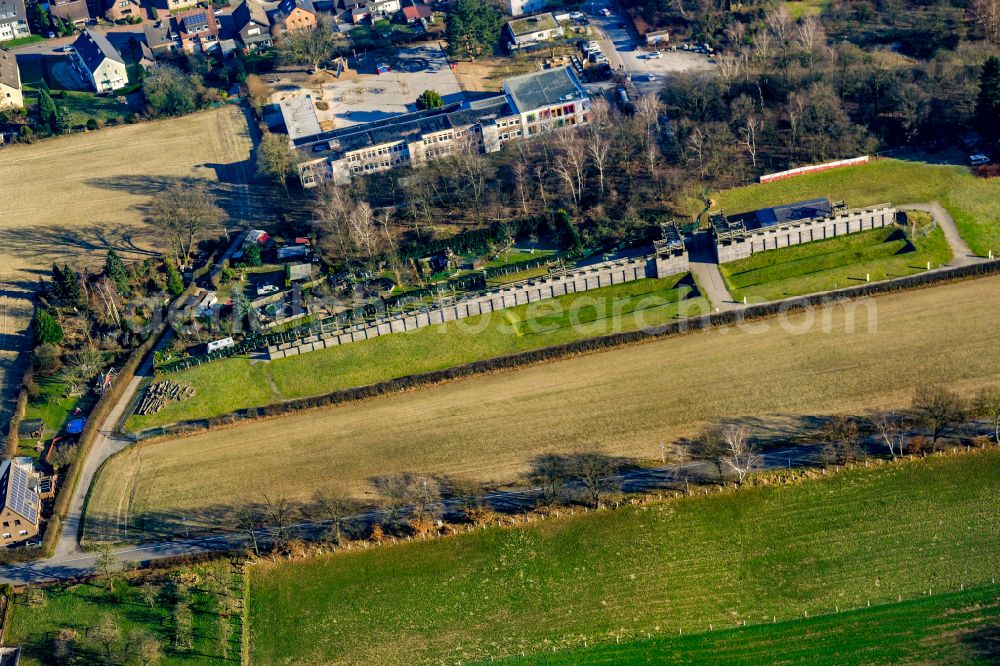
(718, 319)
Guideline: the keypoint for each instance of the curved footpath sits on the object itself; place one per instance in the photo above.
(70, 561)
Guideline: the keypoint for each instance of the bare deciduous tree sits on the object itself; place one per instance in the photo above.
(106, 633)
(741, 455)
(748, 134)
(889, 428)
(335, 508)
(597, 472)
(249, 520)
(987, 14)
(549, 473)
(710, 445)
(938, 409)
(183, 214)
(279, 515)
(571, 167)
(107, 564)
(841, 440)
(987, 406)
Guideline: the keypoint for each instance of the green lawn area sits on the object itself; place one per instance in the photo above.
(517, 276)
(835, 263)
(230, 384)
(517, 255)
(799, 8)
(23, 41)
(52, 406)
(973, 202)
(953, 628)
(82, 606)
(769, 552)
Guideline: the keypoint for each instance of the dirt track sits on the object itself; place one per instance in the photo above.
(70, 199)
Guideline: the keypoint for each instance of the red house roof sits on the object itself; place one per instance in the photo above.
(417, 12)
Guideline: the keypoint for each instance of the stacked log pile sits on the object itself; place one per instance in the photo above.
(160, 394)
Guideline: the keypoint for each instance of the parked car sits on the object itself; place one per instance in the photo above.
(605, 12)
(266, 289)
(651, 77)
(978, 160)
(576, 15)
(655, 55)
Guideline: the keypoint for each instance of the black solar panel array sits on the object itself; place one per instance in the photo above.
(20, 497)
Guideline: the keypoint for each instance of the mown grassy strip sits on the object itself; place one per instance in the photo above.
(232, 384)
(830, 264)
(776, 551)
(952, 628)
(973, 202)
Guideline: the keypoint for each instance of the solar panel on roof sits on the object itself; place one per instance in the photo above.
(21, 498)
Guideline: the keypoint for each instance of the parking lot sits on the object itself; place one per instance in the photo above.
(625, 54)
(362, 95)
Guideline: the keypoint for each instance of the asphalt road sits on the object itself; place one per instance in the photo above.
(68, 564)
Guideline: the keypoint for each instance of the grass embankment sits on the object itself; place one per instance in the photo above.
(879, 254)
(81, 607)
(227, 385)
(624, 401)
(973, 202)
(954, 628)
(767, 552)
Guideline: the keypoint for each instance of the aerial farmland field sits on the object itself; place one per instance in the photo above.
(72, 198)
(626, 401)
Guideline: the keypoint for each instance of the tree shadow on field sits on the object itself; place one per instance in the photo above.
(43, 245)
(243, 199)
(984, 643)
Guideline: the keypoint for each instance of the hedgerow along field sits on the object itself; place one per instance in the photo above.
(973, 202)
(764, 553)
(953, 628)
(216, 624)
(231, 384)
(879, 254)
(625, 401)
(70, 199)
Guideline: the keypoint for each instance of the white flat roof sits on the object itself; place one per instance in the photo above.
(299, 115)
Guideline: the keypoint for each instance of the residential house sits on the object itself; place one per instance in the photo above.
(293, 15)
(522, 7)
(13, 20)
(250, 21)
(416, 13)
(97, 61)
(533, 29)
(384, 8)
(160, 37)
(174, 5)
(75, 11)
(139, 52)
(532, 103)
(20, 507)
(10, 82)
(197, 30)
(348, 6)
(122, 10)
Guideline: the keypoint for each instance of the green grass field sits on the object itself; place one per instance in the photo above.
(830, 264)
(954, 628)
(223, 386)
(799, 8)
(771, 552)
(973, 202)
(80, 607)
